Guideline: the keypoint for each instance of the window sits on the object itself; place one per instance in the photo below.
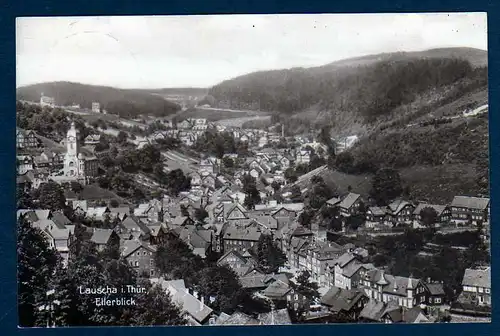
(151, 262)
(437, 300)
(480, 289)
(289, 297)
(422, 299)
(136, 264)
(152, 272)
(487, 290)
(296, 297)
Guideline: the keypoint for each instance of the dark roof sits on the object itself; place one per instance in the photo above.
(435, 288)
(235, 233)
(339, 299)
(240, 319)
(411, 315)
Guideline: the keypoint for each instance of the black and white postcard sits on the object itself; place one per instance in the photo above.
(252, 169)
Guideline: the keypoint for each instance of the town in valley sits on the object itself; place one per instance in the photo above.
(213, 207)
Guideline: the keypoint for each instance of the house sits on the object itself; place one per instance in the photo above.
(401, 212)
(47, 101)
(406, 292)
(263, 141)
(233, 259)
(98, 213)
(443, 212)
(395, 314)
(26, 139)
(350, 205)
(347, 303)
(198, 239)
(473, 209)
(436, 296)
(376, 216)
(121, 212)
(303, 157)
(25, 163)
(140, 256)
(104, 238)
(92, 139)
(476, 286)
(183, 125)
(241, 238)
(197, 312)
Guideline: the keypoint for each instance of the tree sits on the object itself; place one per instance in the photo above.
(52, 196)
(177, 182)
(222, 284)
(276, 186)
(296, 194)
(228, 162)
(269, 257)
(344, 162)
(76, 187)
(154, 307)
(306, 287)
(200, 214)
(319, 193)
(36, 263)
(386, 186)
(122, 137)
(252, 193)
(290, 175)
(429, 216)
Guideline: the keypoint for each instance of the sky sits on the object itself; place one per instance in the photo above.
(201, 51)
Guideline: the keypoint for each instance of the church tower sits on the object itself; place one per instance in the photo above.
(73, 160)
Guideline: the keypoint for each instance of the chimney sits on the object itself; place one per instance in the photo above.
(429, 280)
(202, 302)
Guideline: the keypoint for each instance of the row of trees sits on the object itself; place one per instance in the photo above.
(220, 143)
(48, 122)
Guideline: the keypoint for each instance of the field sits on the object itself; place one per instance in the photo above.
(439, 184)
(339, 181)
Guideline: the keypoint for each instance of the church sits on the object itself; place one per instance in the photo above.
(79, 163)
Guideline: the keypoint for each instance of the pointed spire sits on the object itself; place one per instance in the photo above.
(410, 283)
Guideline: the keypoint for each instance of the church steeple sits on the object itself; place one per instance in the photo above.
(72, 140)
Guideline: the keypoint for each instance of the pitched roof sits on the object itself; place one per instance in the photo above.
(345, 259)
(397, 206)
(239, 318)
(412, 315)
(43, 214)
(253, 281)
(478, 203)
(339, 299)
(275, 317)
(190, 304)
(277, 289)
(333, 201)
(480, 277)
(101, 236)
(373, 310)
(235, 233)
(349, 200)
(60, 219)
(421, 206)
(378, 211)
(130, 246)
(435, 288)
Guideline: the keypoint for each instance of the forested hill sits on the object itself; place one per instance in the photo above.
(365, 88)
(126, 103)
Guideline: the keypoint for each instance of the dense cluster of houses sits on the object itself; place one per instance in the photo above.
(350, 287)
